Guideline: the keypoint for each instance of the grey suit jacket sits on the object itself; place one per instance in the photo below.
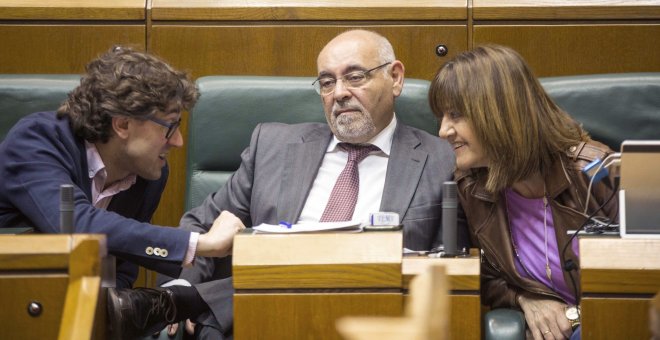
(277, 172)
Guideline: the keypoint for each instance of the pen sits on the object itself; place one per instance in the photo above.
(285, 224)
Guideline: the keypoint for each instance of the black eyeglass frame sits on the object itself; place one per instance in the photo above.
(317, 86)
(171, 127)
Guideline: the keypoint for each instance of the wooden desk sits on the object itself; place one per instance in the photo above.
(618, 278)
(464, 298)
(59, 275)
(297, 286)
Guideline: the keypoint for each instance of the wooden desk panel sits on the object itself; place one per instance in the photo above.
(61, 48)
(559, 50)
(618, 279)
(48, 291)
(306, 10)
(62, 274)
(73, 9)
(306, 315)
(464, 296)
(465, 317)
(294, 286)
(615, 318)
(463, 272)
(290, 50)
(564, 9)
(317, 260)
(619, 266)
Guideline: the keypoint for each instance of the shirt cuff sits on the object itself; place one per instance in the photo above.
(192, 248)
(176, 282)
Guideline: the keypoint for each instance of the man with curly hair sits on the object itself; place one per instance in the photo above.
(110, 140)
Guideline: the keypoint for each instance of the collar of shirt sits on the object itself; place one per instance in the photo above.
(96, 172)
(383, 140)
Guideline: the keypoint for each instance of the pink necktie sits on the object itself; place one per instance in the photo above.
(345, 192)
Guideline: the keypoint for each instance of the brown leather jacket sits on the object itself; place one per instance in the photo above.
(488, 223)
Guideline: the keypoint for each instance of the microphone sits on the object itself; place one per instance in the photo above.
(449, 214)
(66, 209)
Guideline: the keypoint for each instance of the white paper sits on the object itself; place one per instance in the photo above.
(353, 226)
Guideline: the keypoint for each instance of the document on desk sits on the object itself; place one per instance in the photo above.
(285, 228)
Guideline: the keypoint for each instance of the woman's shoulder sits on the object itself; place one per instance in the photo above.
(587, 152)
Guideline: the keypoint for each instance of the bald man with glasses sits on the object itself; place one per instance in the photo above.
(362, 161)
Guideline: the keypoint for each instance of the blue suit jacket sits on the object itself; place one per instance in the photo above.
(39, 154)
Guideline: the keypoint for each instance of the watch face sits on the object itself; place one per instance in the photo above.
(572, 313)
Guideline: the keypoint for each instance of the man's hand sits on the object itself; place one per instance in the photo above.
(545, 317)
(173, 328)
(218, 241)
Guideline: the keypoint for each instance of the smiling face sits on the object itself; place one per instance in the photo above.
(356, 115)
(144, 150)
(459, 133)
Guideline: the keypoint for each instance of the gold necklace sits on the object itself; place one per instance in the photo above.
(548, 270)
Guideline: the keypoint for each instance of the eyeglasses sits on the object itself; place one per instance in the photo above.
(326, 85)
(171, 127)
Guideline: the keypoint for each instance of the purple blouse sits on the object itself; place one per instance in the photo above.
(528, 234)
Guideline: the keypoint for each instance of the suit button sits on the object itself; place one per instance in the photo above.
(157, 251)
(163, 252)
(149, 251)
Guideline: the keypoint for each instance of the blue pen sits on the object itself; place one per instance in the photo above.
(285, 224)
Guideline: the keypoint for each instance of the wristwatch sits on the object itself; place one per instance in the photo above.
(573, 315)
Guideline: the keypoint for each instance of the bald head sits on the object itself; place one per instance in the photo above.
(357, 110)
(360, 42)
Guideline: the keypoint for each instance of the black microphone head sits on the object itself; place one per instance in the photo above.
(66, 197)
(449, 193)
(449, 216)
(66, 209)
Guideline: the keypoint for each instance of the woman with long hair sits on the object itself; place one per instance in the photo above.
(519, 160)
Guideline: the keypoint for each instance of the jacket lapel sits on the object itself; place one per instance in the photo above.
(302, 162)
(404, 170)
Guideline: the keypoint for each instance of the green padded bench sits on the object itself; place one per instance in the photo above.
(612, 107)
(22, 94)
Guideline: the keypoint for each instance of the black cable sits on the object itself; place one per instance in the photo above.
(569, 265)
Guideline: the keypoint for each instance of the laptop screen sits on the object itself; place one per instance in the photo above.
(639, 198)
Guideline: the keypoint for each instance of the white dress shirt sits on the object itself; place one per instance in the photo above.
(372, 170)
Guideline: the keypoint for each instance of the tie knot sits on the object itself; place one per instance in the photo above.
(357, 152)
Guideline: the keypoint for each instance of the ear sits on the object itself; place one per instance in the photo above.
(398, 71)
(120, 126)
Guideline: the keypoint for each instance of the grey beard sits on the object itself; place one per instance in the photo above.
(354, 130)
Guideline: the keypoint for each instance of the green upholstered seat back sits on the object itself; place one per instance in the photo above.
(230, 107)
(611, 107)
(22, 94)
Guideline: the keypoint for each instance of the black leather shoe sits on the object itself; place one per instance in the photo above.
(139, 312)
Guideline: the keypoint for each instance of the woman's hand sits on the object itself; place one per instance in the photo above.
(546, 318)
(218, 241)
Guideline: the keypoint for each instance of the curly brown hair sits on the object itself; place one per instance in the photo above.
(124, 82)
